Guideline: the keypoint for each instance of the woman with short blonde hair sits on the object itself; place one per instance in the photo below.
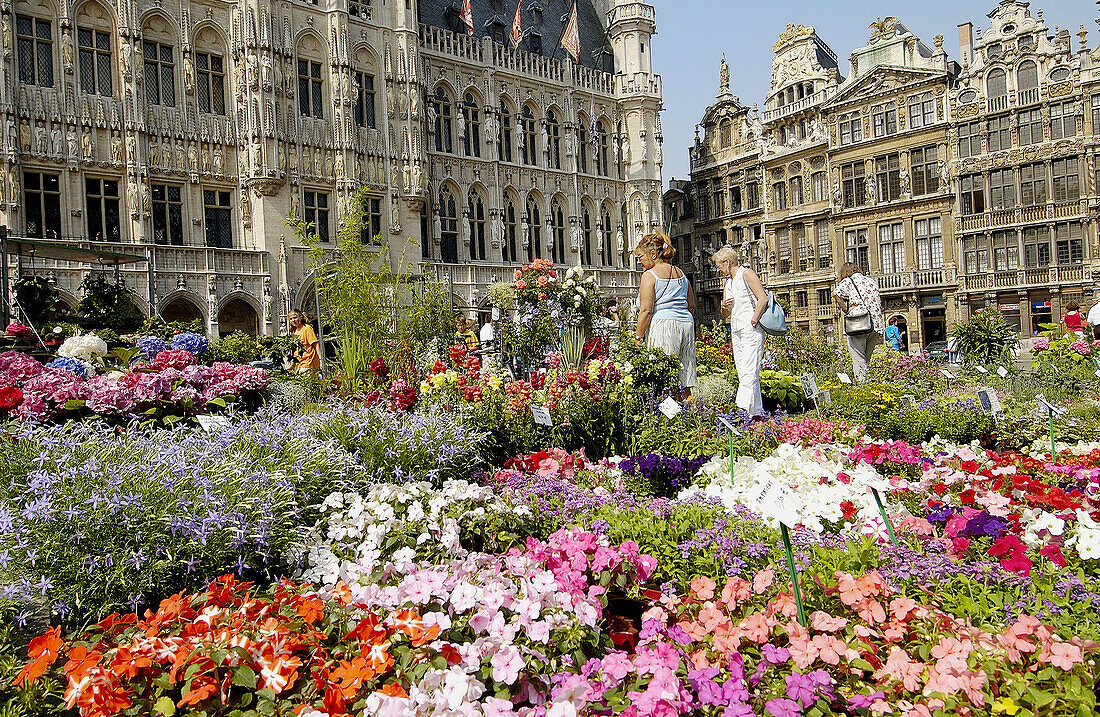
(743, 302)
(666, 306)
(309, 358)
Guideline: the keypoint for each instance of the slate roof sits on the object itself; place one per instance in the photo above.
(544, 18)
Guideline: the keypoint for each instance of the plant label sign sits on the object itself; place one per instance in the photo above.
(910, 399)
(825, 397)
(1002, 372)
(947, 374)
(844, 378)
(212, 424)
(1049, 407)
(987, 399)
(1096, 373)
(541, 416)
(728, 426)
(809, 385)
(670, 408)
(981, 370)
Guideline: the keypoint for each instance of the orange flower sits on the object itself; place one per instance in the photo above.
(378, 658)
(394, 689)
(311, 609)
(279, 673)
(45, 650)
(369, 629)
(201, 688)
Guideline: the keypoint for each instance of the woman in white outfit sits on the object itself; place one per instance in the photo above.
(857, 296)
(666, 306)
(744, 301)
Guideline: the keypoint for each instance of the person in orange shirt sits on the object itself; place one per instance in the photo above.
(309, 360)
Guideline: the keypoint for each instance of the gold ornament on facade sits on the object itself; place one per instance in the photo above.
(1061, 89)
(967, 111)
(882, 26)
(792, 32)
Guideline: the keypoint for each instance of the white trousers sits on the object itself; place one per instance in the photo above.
(860, 348)
(748, 352)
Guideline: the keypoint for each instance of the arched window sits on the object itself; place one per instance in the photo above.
(995, 84)
(441, 103)
(557, 217)
(606, 252)
(94, 38)
(1027, 76)
(603, 150)
(621, 161)
(534, 224)
(159, 61)
(505, 138)
(311, 74)
(796, 191)
(586, 237)
(582, 146)
(553, 136)
(527, 127)
(476, 208)
(511, 231)
(34, 42)
(425, 232)
(725, 133)
(448, 220)
(471, 139)
(624, 222)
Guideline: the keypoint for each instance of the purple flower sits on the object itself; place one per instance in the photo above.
(781, 707)
(862, 702)
(775, 655)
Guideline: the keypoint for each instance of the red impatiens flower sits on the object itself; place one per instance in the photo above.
(10, 398)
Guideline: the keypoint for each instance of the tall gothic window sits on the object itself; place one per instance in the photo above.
(553, 137)
(310, 101)
(160, 74)
(364, 100)
(210, 82)
(448, 220)
(606, 242)
(511, 231)
(471, 139)
(582, 146)
(505, 137)
(476, 207)
(95, 61)
(558, 218)
(442, 105)
(586, 237)
(534, 223)
(34, 38)
(530, 146)
(603, 150)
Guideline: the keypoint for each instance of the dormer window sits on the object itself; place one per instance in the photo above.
(993, 50)
(1008, 29)
(1026, 43)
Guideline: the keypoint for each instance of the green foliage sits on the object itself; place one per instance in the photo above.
(235, 348)
(39, 299)
(109, 336)
(690, 434)
(956, 421)
(800, 352)
(156, 326)
(783, 388)
(985, 338)
(428, 320)
(654, 370)
(107, 305)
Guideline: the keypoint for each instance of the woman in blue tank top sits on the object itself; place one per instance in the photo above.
(666, 311)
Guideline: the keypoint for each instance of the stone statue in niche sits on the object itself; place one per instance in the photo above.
(11, 137)
(67, 50)
(339, 165)
(548, 228)
(87, 146)
(467, 230)
(124, 58)
(498, 230)
(246, 208)
(205, 159)
(437, 227)
(41, 140)
(131, 148)
(329, 164)
(318, 162)
(219, 161)
(406, 175)
(293, 210)
(13, 182)
(282, 159)
(525, 233)
(116, 147)
(417, 178)
(620, 240)
(395, 177)
(57, 141)
(240, 75)
(268, 72)
(838, 196)
(180, 164)
(869, 189)
(193, 158)
(146, 198)
(188, 74)
(24, 137)
(575, 238)
(903, 175)
(154, 152)
(659, 155)
(132, 196)
(395, 216)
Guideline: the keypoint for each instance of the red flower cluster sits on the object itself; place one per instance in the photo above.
(11, 398)
(202, 651)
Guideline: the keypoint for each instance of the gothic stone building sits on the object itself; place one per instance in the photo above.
(957, 185)
(187, 135)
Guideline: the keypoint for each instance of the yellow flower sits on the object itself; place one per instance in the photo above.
(1005, 705)
(628, 381)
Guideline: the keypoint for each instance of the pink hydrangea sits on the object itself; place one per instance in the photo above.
(34, 407)
(149, 387)
(1081, 346)
(1041, 344)
(175, 358)
(55, 385)
(16, 367)
(249, 378)
(20, 331)
(107, 396)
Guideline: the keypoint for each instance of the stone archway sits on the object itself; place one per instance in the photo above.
(238, 315)
(180, 309)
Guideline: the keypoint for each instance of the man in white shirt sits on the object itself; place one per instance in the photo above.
(488, 334)
(1093, 317)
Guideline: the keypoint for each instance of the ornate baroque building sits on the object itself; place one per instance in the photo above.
(957, 185)
(186, 136)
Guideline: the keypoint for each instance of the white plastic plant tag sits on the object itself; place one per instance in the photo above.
(541, 415)
(844, 378)
(670, 408)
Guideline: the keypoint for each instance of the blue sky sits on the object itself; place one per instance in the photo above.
(693, 34)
